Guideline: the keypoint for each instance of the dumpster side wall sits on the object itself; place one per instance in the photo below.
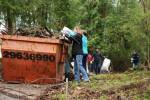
(31, 62)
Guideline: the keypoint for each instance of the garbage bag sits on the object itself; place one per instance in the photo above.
(68, 31)
(106, 65)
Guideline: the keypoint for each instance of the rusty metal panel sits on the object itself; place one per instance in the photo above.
(30, 39)
(29, 61)
(29, 46)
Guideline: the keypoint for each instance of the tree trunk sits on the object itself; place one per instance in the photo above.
(10, 22)
(145, 8)
(148, 52)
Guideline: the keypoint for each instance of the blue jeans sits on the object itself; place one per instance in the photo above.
(78, 67)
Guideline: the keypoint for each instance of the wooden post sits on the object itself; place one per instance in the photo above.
(67, 89)
(148, 53)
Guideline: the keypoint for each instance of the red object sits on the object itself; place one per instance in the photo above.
(90, 58)
(32, 59)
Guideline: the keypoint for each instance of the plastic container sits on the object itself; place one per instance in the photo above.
(68, 31)
(32, 59)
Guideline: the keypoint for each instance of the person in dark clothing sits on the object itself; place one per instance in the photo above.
(77, 45)
(98, 60)
(101, 61)
(135, 60)
(77, 54)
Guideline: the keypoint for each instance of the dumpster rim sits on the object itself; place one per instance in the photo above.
(31, 39)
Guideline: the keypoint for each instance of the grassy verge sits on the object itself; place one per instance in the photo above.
(133, 85)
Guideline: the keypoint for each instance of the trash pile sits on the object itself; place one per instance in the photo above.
(2, 31)
(41, 32)
(35, 32)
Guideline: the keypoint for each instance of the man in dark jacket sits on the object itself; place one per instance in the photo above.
(77, 53)
(135, 60)
(98, 60)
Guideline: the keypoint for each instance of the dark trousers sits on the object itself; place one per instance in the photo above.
(96, 67)
(92, 67)
(67, 69)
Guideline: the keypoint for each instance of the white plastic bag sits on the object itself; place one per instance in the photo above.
(68, 31)
(105, 65)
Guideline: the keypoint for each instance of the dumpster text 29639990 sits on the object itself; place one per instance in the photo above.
(28, 56)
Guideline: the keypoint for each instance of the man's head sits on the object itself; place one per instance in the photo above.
(77, 29)
(97, 49)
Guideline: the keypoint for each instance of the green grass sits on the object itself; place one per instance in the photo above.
(113, 81)
(60, 96)
(106, 81)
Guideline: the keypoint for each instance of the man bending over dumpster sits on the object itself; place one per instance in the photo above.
(77, 53)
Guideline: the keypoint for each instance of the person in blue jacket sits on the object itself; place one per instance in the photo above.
(85, 50)
(77, 54)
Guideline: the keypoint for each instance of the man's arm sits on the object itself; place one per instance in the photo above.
(72, 38)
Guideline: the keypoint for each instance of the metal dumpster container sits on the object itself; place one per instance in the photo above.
(32, 59)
